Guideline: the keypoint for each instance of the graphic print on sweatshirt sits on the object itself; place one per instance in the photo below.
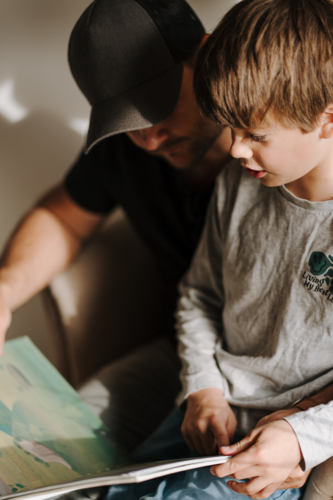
(320, 277)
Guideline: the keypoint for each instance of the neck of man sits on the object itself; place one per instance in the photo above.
(206, 170)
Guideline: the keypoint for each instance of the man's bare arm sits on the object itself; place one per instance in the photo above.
(43, 244)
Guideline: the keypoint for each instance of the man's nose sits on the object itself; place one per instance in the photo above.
(239, 149)
(153, 137)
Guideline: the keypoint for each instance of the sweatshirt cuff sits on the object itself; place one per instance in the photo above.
(313, 431)
(196, 383)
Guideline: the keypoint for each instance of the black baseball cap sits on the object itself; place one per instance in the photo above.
(127, 58)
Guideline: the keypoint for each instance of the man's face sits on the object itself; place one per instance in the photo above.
(185, 136)
(278, 155)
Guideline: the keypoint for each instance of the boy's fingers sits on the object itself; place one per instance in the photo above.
(255, 488)
(246, 473)
(238, 447)
(190, 443)
(220, 433)
(232, 466)
(199, 447)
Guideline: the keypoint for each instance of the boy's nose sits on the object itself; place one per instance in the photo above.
(239, 149)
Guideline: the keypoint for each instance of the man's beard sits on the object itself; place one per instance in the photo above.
(191, 150)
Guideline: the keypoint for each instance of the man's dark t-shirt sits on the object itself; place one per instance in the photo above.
(167, 213)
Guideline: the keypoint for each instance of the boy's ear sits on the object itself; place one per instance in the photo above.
(327, 123)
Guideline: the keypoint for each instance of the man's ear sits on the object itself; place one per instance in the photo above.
(327, 123)
(203, 39)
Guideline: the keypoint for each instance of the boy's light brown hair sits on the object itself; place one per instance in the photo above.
(268, 55)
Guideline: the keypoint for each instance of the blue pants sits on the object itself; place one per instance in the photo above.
(167, 443)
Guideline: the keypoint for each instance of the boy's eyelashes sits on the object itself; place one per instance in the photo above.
(257, 138)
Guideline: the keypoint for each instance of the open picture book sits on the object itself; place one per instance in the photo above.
(51, 443)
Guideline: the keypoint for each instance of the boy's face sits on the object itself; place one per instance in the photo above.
(278, 155)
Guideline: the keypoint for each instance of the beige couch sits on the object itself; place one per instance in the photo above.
(109, 302)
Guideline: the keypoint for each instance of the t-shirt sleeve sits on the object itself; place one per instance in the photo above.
(86, 183)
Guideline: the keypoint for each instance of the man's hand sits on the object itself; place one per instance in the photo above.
(209, 422)
(5, 320)
(267, 456)
(297, 478)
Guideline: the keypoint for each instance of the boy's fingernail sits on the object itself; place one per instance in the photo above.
(212, 471)
(225, 448)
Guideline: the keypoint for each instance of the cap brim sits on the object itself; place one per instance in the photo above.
(141, 107)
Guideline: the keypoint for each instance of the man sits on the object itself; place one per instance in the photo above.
(149, 150)
(134, 62)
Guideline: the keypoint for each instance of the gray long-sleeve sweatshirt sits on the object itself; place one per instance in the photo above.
(256, 314)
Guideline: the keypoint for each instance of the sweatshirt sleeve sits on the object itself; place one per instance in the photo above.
(199, 310)
(314, 431)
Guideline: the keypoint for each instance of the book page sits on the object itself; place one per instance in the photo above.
(47, 433)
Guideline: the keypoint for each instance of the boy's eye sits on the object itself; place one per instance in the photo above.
(257, 138)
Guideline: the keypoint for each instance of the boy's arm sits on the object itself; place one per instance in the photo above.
(208, 420)
(43, 244)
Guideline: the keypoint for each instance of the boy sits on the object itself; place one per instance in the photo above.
(255, 317)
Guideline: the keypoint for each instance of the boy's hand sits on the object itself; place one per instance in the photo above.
(209, 422)
(267, 456)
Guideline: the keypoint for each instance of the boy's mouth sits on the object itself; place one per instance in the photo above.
(255, 173)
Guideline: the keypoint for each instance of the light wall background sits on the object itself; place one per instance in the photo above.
(43, 116)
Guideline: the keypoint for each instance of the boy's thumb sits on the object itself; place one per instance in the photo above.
(236, 448)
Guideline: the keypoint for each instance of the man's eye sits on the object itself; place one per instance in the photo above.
(257, 138)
